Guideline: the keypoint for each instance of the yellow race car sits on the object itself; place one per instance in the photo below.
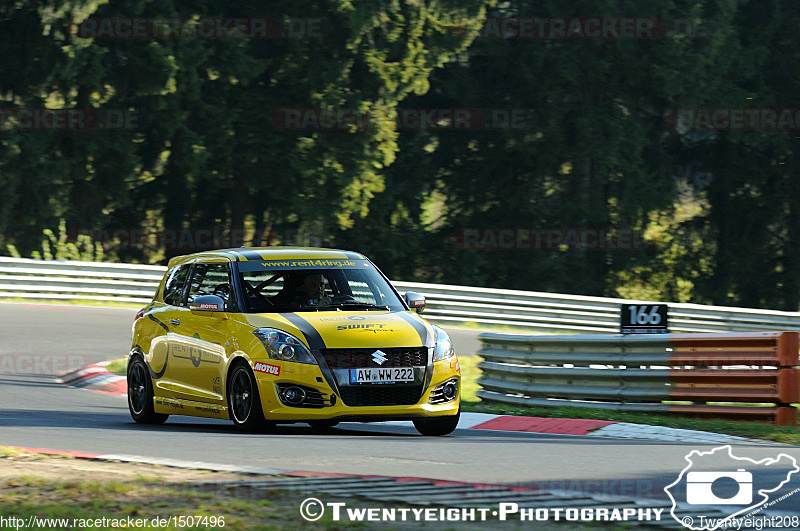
(280, 335)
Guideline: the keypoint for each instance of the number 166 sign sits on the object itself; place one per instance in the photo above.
(643, 319)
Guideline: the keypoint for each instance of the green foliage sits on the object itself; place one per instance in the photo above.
(118, 367)
(208, 148)
(205, 152)
(678, 237)
(60, 248)
(717, 208)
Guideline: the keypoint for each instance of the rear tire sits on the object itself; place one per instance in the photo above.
(437, 426)
(244, 402)
(140, 394)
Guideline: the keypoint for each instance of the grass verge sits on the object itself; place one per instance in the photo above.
(144, 504)
(470, 402)
(119, 367)
(112, 495)
(76, 502)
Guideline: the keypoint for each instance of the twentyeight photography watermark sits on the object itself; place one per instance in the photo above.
(742, 492)
(313, 509)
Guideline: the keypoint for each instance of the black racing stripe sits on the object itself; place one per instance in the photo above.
(315, 341)
(156, 375)
(427, 340)
(159, 323)
(250, 255)
(424, 336)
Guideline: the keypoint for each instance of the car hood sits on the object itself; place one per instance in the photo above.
(359, 329)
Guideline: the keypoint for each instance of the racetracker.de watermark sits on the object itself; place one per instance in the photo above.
(200, 28)
(440, 119)
(555, 239)
(70, 119)
(585, 28)
(625, 487)
(40, 364)
(773, 119)
(312, 509)
(183, 239)
(106, 522)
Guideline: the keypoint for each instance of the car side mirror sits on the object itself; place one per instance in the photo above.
(207, 303)
(415, 301)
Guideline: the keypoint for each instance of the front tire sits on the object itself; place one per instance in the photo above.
(244, 402)
(437, 426)
(140, 394)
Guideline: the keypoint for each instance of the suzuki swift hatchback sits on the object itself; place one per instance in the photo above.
(282, 335)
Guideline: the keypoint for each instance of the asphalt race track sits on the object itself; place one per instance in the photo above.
(37, 412)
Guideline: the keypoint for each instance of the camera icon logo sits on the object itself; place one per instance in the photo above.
(699, 489)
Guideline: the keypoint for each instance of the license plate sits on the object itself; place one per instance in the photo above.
(377, 376)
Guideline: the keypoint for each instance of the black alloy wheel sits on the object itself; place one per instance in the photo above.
(140, 394)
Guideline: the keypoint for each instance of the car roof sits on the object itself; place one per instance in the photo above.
(245, 254)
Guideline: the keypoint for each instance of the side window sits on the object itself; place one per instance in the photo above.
(173, 289)
(210, 279)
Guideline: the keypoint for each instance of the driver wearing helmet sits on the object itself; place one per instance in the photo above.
(311, 291)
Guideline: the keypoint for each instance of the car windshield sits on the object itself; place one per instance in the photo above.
(315, 285)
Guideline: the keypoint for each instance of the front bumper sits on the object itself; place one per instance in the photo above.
(310, 377)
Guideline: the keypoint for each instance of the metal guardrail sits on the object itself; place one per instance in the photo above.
(553, 312)
(58, 280)
(716, 375)
(530, 310)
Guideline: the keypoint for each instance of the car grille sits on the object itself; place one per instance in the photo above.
(354, 358)
(380, 395)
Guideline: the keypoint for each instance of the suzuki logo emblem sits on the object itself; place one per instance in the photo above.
(379, 357)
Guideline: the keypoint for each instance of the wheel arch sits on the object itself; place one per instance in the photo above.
(136, 352)
(236, 359)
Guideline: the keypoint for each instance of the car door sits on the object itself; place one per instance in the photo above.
(198, 348)
(164, 315)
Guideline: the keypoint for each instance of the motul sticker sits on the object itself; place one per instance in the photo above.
(207, 306)
(267, 369)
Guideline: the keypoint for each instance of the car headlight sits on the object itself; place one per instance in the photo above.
(444, 347)
(283, 346)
